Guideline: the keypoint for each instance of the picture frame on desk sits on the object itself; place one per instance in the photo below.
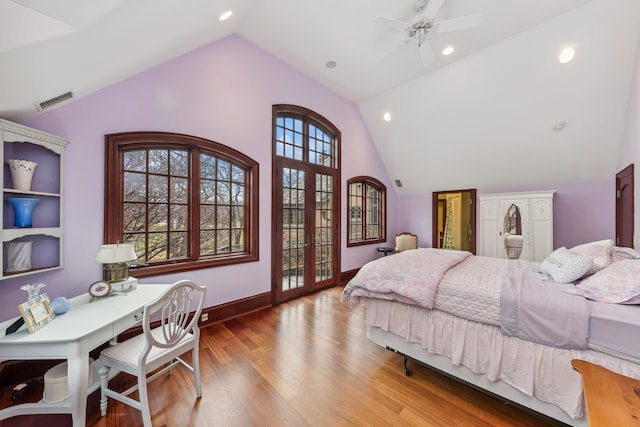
(37, 312)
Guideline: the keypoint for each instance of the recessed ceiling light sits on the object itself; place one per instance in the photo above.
(559, 126)
(331, 64)
(387, 116)
(225, 15)
(566, 55)
(447, 50)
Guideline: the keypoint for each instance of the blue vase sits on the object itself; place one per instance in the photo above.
(22, 208)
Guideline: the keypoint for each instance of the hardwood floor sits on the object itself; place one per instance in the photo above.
(303, 363)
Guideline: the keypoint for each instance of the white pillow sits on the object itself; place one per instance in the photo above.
(564, 266)
(618, 283)
(599, 252)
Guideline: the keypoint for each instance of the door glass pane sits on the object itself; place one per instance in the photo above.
(324, 227)
(293, 233)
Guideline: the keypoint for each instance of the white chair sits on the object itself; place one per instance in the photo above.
(405, 241)
(143, 354)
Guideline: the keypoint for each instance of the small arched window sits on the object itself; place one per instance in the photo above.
(367, 211)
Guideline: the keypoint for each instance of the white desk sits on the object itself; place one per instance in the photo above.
(71, 336)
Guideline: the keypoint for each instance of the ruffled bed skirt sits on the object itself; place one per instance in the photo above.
(534, 369)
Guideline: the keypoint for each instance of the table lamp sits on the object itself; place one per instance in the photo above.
(115, 258)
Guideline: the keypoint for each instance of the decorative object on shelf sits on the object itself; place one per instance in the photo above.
(60, 305)
(115, 258)
(18, 257)
(23, 210)
(22, 173)
(37, 311)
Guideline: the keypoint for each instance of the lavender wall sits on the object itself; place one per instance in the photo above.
(224, 92)
(583, 212)
(629, 151)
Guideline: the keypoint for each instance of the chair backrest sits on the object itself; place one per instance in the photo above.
(404, 241)
(175, 307)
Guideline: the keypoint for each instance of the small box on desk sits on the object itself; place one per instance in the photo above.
(125, 285)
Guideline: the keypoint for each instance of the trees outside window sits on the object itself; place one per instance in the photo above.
(184, 202)
(366, 211)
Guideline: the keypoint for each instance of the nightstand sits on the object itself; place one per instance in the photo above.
(386, 250)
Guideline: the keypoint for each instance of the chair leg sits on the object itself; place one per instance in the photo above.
(144, 399)
(195, 361)
(104, 383)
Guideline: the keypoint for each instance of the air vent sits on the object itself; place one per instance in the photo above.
(398, 183)
(53, 101)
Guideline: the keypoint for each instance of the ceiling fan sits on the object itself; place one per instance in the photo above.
(426, 25)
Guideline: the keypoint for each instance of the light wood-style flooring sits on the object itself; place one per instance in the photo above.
(307, 362)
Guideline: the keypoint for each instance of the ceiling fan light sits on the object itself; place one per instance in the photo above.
(566, 55)
(225, 15)
(447, 50)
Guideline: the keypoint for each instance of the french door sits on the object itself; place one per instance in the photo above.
(306, 239)
(306, 208)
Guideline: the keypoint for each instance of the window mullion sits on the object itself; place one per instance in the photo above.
(194, 203)
(365, 211)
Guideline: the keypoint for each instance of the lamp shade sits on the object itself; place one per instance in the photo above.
(115, 253)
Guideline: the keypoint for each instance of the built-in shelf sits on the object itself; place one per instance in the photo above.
(46, 233)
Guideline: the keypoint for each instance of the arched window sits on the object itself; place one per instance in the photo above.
(184, 202)
(367, 211)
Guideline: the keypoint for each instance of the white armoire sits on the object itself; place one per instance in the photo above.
(536, 227)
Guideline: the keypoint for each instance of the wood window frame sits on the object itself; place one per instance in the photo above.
(367, 181)
(115, 147)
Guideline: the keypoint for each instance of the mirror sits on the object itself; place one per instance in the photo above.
(513, 238)
(454, 220)
(513, 221)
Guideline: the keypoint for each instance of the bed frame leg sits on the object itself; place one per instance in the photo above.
(405, 369)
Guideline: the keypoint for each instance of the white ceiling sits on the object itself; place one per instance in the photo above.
(479, 118)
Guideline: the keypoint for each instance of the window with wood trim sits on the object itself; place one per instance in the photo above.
(367, 211)
(184, 202)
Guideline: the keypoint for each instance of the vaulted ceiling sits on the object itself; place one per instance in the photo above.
(481, 117)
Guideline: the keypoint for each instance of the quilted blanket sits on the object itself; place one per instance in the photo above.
(411, 276)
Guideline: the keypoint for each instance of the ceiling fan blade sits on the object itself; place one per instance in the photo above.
(460, 23)
(393, 24)
(426, 53)
(433, 7)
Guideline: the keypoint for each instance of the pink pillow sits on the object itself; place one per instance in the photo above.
(599, 252)
(618, 283)
(620, 252)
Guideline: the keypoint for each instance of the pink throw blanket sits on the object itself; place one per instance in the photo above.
(411, 276)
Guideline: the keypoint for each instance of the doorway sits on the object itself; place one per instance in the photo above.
(624, 207)
(454, 220)
(306, 203)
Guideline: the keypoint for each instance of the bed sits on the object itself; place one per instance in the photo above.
(509, 327)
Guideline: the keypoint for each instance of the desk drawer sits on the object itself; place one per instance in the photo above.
(121, 325)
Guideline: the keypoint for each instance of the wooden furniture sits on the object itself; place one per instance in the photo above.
(71, 336)
(611, 399)
(161, 347)
(386, 250)
(536, 215)
(46, 232)
(405, 241)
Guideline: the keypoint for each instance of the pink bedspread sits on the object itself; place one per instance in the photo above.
(411, 276)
